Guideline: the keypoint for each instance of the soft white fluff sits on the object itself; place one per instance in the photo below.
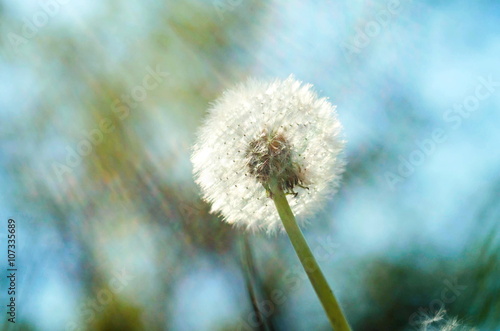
(239, 117)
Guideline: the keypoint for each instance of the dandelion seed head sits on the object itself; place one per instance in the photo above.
(261, 130)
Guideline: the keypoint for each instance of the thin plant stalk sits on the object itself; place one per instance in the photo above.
(318, 281)
(250, 280)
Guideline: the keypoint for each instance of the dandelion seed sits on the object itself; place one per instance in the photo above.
(438, 322)
(269, 143)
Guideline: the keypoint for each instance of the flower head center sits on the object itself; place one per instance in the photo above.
(271, 158)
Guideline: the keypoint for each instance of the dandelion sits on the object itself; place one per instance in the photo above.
(263, 130)
(438, 322)
(262, 142)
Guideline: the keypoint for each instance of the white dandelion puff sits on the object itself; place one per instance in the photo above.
(438, 322)
(262, 130)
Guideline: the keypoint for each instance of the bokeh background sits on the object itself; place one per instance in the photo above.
(99, 105)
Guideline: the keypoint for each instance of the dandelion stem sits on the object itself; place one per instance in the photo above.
(318, 281)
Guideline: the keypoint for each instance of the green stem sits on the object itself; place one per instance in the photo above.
(318, 281)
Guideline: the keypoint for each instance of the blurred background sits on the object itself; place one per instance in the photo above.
(99, 105)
